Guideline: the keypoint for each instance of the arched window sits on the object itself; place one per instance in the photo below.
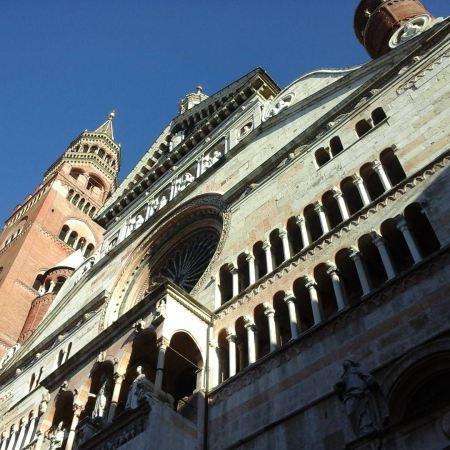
(223, 356)
(362, 127)
(241, 345)
(260, 259)
(336, 146)
(262, 332)
(94, 182)
(398, 248)
(226, 283)
(372, 260)
(63, 233)
(322, 156)
(100, 392)
(183, 371)
(294, 236)
(63, 415)
(75, 199)
(72, 238)
(348, 276)
(101, 153)
(92, 211)
(378, 115)
(81, 204)
(325, 291)
(331, 208)
(282, 318)
(276, 246)
(313, 224)
(75, 173)
(392, 166)
(89, 250)
(351, 195)
(371, 181)
(81, 243)
(305, 317)
(421, 229)
(59, 282)
(70, 194)
(243, 271)
(87, 207)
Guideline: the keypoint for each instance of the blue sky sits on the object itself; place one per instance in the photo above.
(66, 64)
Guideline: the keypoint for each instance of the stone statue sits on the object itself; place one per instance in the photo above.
(57, 437)
(141, 389)
(362, 397)
(9, 355)
(101, 402)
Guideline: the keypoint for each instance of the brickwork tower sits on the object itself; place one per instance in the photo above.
(52, 223)
(381, 25)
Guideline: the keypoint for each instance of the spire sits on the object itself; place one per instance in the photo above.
(107, 128)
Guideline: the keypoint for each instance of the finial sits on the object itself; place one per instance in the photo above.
(112, 115)
(199, 89)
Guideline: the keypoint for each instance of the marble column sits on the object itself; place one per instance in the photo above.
(163, 343)
(30, 430)
(313, 296)
(289, 298)
(341, 204)
(380, 243)
(12, 438)
(22, 432)
(337, 287)
(269, 312)
(3, 441)
(300, 220)
(251, 338)
(379, 169)
(355, 256)
(251, 268)
(77, 408)
(318, 208)
(231, 338)
(358, 182)
(402, 225)
(118, 379)
(268, 253)
(235, 278)
(285, 241)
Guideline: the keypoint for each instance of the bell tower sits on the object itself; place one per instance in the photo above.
(52, 223)
(381, 25)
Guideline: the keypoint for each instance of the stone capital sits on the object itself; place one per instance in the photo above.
(77, 408)
(376, 165)
(401, 223)
(268, 309)
(356, 179)
(289, 296)
(376, 238)
(310, 283)
(318, 207)
(249, 323)
(331, 269)
(249, 256)
(231, 336)
(266, 245)
(299, 220)
(354, 253)
(232, 267)
(282, 233)
(162, 342)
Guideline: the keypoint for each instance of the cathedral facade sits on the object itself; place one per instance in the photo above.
(272, 274)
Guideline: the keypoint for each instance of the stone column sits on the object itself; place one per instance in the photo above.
(21, 436)
(217, 294)
(251, 268)
(235, 277)
(285, 241)
(3, 441)
(77, 408)
(163, 343)
(199, 167)
(357, 180)
(300, 220)
(337, 287)
(341, 203)
(318, 208)
(251, 338)
(402, 225)
(268, 253)
(379, 169)
(51, 287)
(118, 380)
(269, 312)
(231, 338)
(30, 430)
(289, 298)
(355, 256)
(384, 253)
(317, 313)
(12, 438)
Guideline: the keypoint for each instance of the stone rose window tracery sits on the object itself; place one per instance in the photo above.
(185, 263)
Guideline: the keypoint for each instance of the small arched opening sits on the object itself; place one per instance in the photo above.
(322, 156)
(63, 416)
(241, 345)
(371, 181)
(63, 233)
(336, 146)
(305, 316)
(294, 236)
(325, 291)
(89, 250)
(398, 248)
(72, 238)
(223, 355)
(243, 271)
(421, 229)
(225, 283)
(183, 370)
(260, 260)
(282, 318)
(372, 260)
(378, 115)
(262, 332)
(351, 195)
(313, 224)
(348, 276)
(331, 208)
(362, 127)
(276, 246)
(392, 166)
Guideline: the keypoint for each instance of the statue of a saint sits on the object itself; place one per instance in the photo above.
(141, 389)
(57, 437)
(102, 400)
(362, 397)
